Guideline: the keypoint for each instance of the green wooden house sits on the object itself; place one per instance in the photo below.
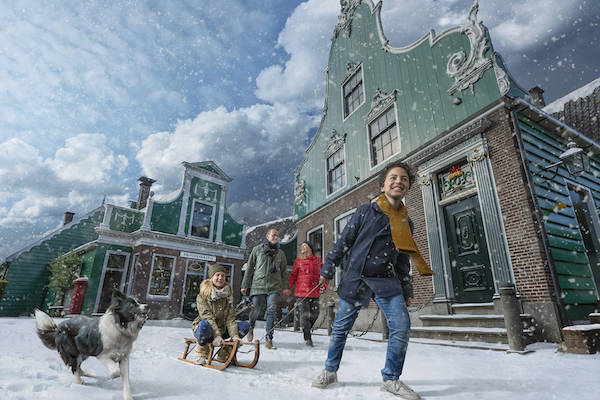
(448, 105)
(157, 249)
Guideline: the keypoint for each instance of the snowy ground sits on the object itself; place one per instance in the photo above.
(29, 370)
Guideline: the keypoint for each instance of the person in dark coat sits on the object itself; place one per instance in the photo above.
(265, 277)
(379, 242)
(305, 275)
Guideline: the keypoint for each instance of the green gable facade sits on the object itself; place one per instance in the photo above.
(448, 106)
(158, 251)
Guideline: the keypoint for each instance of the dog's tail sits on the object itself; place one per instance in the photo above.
(46, 329)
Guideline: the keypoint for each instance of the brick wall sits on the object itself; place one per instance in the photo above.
(527, 255)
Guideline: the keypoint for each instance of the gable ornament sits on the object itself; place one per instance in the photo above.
(335, 142)
(381, 100)
(299, 189)
(466, 70)
(345, 18)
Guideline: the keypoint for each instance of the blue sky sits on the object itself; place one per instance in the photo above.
(94, 94)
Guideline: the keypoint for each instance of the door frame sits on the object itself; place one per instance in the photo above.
(104, 269)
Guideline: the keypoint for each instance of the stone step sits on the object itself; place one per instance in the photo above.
(465, 334)
(473, 308)
(471, 320)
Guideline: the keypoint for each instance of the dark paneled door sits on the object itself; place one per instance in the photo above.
(468, 252)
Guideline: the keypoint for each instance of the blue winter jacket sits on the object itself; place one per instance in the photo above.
(374, 265)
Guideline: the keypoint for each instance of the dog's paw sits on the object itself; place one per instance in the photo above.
(115, 375)
(127, 396)
(79, 381)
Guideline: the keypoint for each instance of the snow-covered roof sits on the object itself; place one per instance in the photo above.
(559, 104)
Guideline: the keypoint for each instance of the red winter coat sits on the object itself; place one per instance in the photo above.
(306, 276)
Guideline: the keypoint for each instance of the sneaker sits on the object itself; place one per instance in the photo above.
(400, 389)
(269, 345)
(308, 343)
(324, 379)
(250, 335)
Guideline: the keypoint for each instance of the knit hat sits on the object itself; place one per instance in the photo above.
(214, 268)
(312, 250)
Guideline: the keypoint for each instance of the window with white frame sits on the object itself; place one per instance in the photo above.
(315, 237)
(383, 137)
(201, 224)
(161, 276)
(353, 93)
(339, 223)
(336, 175)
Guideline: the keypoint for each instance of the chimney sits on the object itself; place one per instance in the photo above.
(68, 217)
(537, 93)
(144, 193)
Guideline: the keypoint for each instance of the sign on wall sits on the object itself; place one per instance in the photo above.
(196, 256)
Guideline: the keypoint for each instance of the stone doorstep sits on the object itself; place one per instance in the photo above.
(581, 339)
(472, 320)
(594, 318)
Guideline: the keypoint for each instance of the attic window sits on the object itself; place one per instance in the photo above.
(383, 137)
(353, 92)
(202, 220)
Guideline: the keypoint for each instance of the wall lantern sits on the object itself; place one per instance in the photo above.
(575, 159)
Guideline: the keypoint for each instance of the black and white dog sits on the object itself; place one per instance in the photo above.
(109, 338)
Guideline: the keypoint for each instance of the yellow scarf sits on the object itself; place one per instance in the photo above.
(401, 235)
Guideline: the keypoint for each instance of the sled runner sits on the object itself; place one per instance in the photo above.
(231, 360)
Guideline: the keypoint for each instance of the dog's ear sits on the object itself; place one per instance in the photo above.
(117, 295)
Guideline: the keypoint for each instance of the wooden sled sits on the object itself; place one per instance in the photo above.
(231, 360)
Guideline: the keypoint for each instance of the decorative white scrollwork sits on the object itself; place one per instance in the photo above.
(124, 218)
(380, 102)
(335, 142)
(205, 192)
(468, 70)
(345, 18)
(501, 76)
(299, 189)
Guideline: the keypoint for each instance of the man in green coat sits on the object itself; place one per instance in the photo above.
(265, 277)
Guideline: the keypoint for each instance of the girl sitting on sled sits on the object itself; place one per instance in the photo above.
(216, 315)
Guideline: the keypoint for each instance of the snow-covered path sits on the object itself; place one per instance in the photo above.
(29, 370)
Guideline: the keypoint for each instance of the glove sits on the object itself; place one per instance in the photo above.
(218, 341)
(236, 338)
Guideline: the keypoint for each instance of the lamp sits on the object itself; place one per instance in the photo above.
(575, 159)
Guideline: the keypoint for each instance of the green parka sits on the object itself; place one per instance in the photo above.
(257, 276)
(220, 313)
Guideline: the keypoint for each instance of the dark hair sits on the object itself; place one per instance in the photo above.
(395, 164)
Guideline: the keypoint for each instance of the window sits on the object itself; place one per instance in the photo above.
(336, 176)
(161, 276)
(339, 223)
(353, 93)
(383, 136)
(315, 237)
(113, 277)
(202, 217)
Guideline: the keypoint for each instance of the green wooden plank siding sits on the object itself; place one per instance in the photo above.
(232, 231)
(28, 275)
(165, 217)
(126, 220)
(564, 238)
(424, 107)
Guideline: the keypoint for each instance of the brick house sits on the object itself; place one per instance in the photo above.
(487, 211)
(156, 250)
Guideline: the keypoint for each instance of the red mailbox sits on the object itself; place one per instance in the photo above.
(78, 293)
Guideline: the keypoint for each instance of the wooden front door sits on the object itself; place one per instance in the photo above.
(468, 253)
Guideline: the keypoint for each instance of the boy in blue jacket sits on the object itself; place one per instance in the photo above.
(379, 241)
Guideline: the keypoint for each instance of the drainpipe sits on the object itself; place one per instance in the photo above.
(562, 313)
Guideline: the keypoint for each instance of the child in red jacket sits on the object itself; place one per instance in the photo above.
(306, 277)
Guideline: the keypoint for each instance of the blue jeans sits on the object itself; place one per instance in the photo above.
(258, 301)
(204, 333)
(394, 309)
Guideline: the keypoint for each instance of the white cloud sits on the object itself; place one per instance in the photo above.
(253, 212)
(241, 141)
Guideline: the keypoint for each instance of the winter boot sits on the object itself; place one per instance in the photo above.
(250, 335)
(308, 343)
(325, 379)
(400, 389)
(201, 354)
(223, 354)
(269, 345)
